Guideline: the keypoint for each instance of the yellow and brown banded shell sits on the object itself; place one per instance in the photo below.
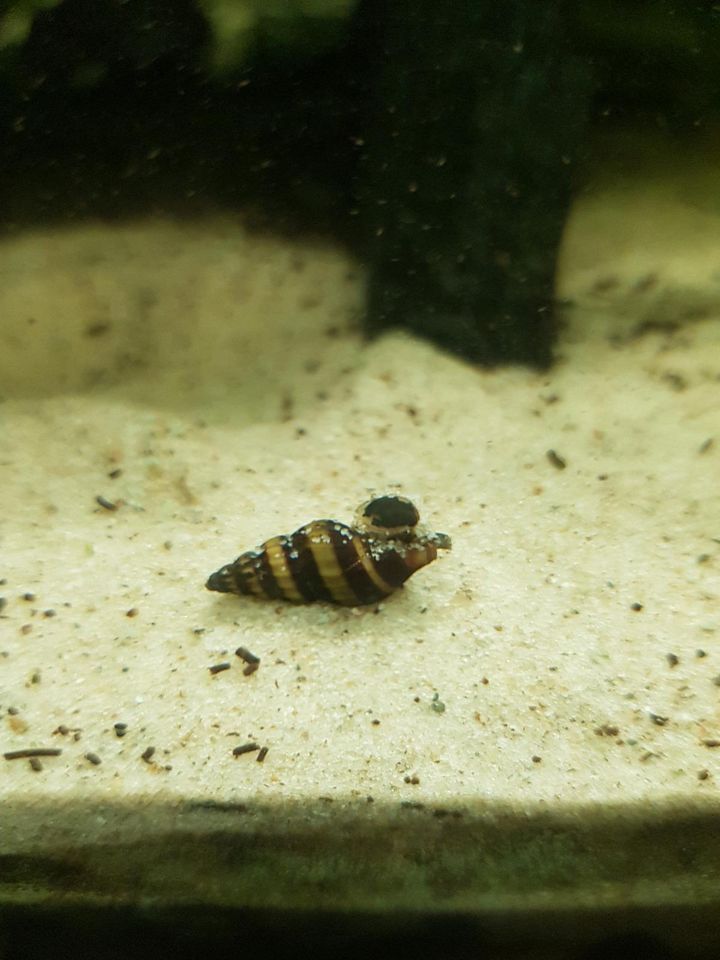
(329, 561)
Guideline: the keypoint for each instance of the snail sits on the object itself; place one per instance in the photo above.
(329, 561)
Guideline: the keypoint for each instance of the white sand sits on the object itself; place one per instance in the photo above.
(224, 376)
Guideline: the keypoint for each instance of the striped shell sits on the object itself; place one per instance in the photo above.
(329, 561)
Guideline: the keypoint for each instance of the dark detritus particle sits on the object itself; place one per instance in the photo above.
(29, 597)
(706, 445)
(219, 667)
(105, 503)
(245, 748)
(114, 474)
(607, 730)
(132, 612)
(603, 284)
(556, 460)
(218, 806)
(672, 659)
(120, 729)
(636, 607)
(97, 329)
(675, 380)
(648, 282)
(148, 754)
(3, 603)
(93, 758)
(711, 742)
(28, 752)
(262, 754)
(659, 720)
(35, 764)
(703, 774)
(246, 656)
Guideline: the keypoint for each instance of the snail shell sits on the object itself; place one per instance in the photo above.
(329, 561)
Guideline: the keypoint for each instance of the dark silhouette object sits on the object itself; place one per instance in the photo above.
(464, 181)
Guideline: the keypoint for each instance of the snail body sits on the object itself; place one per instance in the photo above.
(329, 561)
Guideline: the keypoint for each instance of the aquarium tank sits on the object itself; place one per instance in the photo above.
(359, 450)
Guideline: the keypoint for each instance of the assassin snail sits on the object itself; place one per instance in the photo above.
(329, 561)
